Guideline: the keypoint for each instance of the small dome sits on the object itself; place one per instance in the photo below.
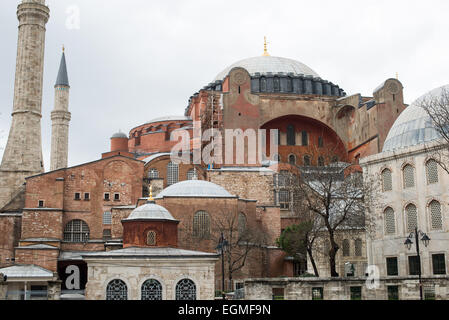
(119, 135)
(150, 211)
(413, 126)
(195, 188)
(266, 64)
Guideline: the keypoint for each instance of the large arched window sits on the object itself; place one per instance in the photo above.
(390, 221)
(346, 248)
(358, 244)
(387, 180)
(291, 135)
(432, 171)
(153, 173)
(185, 290)
(412, 217)
(172, 173)
(409, 176)
(151, 290)
(117, 290)
(76, 231)
(201, 224)
(436, 219)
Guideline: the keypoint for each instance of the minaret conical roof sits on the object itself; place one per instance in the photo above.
(63, 78)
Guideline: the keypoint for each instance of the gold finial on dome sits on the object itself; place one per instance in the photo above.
(151, 194)
(265, 50)
(63, 48)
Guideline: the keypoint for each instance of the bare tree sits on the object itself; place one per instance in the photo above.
(437, 107)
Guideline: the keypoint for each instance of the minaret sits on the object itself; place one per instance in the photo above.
(60, 118)
(23, 153)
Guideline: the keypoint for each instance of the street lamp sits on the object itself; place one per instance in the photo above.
(221, 248)
(408, 243)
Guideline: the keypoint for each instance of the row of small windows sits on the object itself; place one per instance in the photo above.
(173, 173)
(408, 176)
(307, 162)
(411, 215)
(107, 196)
(151, 290)
(438, 265)
(358, 250)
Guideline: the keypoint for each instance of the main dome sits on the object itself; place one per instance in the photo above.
(267, 64)
(195, 188)
(414, 126)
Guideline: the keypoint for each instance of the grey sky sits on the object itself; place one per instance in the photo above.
(135, 60)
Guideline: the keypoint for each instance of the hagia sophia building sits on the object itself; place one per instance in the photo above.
(98, 213)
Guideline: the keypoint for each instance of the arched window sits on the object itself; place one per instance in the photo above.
(307, 161)
(263, 84)
(76, 231)
(432, 171)
(358, 247)
(292, 159)
(291, 135)
(387, 180)
(276, 84)
(436, 218)
(412, 217)
(409, 176)
(151, 290)
(201, 224)
(390, 221)
(185, 290)
(192, 174)
(242, 223)
(153, 173)
(151, 238)
(172, 173)
(117, 290)
(346, 248)
(334, 159)
(320, 162)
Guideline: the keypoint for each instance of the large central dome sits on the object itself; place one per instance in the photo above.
(266, 64)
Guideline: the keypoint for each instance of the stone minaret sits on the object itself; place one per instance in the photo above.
(60, 118)
(23, 152)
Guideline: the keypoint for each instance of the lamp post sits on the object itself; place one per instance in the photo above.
(221, 247)
(408, 243)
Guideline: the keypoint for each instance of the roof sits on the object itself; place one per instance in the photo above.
(266, 64)
(155, 156)
(170, 118)
(38, 247)
(150, 211)
(119, 135)
(26, 271)
(414, 126)
(150, 253)
(195, 188)
(63, 78)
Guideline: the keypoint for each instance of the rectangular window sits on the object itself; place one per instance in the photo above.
(317, 294)
(41, 203)
(77, 196)
(116, 196)
(393, 292)
(356, 293)
(284, 199)
(320, 142)
(107, 234)
(278, 293)
(392, 266)
(107, 218)
(304, 139)
(439, 264)
(38, 293)
(107, 197)
(429, 292)
(413, 265)
(86, 196)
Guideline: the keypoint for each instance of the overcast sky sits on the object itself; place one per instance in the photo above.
(135, 60)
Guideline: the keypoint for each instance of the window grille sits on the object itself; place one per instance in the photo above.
(358, 247)
(201, 224)
(185, 290)
(172, 173)
(151, 290)
(436, 216)
(117, 290)
(409, 176)
(393, 293)
(387, 180)
(151, 238)
(429, 292)
(76, 231)
(432, 171)
(317, 294)
(107, 218)
(356, 293)
(346, 248)
(439, 264)
(284, 199)
(390, 221)
(153, 174)
(412, 217)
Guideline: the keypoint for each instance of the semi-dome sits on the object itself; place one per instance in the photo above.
(269, 64)
(414, 126)
(150, 211)
(195, 188)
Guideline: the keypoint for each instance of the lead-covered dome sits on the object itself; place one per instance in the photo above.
(269, 64)
(150, 211)
(195, 188)
(413, 126)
